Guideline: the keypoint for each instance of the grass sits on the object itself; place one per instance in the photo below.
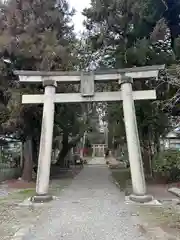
(26, 192)
(123, 178)
(19, 195)
(13, 217)
(167, 218)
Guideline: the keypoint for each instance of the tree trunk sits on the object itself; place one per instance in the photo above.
(66, 147)
(157, 143)
(21, 156)
(64, 151)
(28, 160)
(62, 155)
(35, 147)
(146, 161)
(146, 155)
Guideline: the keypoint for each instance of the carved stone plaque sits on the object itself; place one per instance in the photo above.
(87, 84)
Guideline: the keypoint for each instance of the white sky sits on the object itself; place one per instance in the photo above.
(79, 5)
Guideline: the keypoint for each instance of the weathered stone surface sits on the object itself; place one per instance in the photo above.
(41, 198)
(141, 199)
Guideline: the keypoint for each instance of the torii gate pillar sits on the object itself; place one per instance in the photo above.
(135, 158)
(44, 160)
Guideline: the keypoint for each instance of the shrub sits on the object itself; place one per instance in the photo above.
(167, 164)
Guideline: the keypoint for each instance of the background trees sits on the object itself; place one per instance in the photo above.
(36, 35)
(138, 33)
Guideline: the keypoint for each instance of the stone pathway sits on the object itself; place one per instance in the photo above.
(3, 192)
(91, 208)
(97, 161)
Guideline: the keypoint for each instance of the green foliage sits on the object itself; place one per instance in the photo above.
(36, 35)
(122, 177)
(152, 122)
(39, 32)
(167, 164)
(177, 48)
(128, 34)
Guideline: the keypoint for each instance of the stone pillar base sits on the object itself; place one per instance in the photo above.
(41, 198)
(141, 199)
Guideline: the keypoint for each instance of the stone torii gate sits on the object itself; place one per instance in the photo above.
(98, 149)
(87, 80)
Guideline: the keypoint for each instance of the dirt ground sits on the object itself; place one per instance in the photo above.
(13, 216)
(164, 219)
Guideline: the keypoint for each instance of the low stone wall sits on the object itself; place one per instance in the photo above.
(9, 173)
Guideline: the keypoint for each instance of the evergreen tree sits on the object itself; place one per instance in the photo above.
(35, 35)
(130, 33)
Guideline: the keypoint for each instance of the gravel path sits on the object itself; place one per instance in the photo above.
(92, 208)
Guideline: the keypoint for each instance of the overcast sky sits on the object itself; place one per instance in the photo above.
(79, 5)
